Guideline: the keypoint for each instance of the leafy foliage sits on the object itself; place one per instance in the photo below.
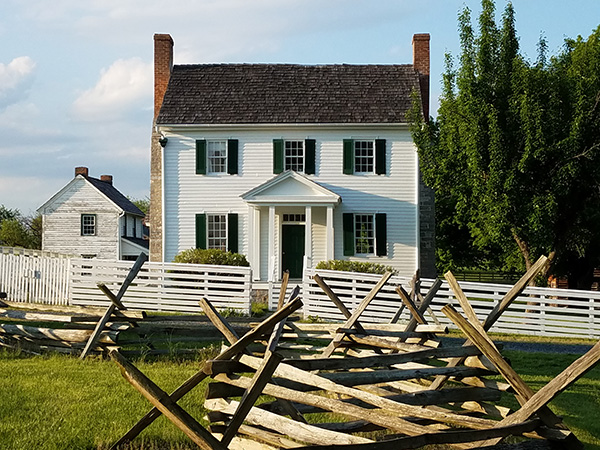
(354, 266)
(211, 256)
(513, 154)
(19, 231)
(142, 203)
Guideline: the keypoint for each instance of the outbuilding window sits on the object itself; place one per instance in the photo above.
(88, 224)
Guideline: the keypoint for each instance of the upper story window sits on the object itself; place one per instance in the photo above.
(88, 224)
(294, 156)
(364, 156)
(217, 156)
(297, 155)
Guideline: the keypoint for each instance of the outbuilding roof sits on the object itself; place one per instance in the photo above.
(115, 196)
(288, 93)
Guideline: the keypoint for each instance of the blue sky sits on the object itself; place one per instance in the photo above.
(76, 75)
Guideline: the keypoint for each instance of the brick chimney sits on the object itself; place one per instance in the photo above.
(163, 64)
(421, 64)
(106, 178)
(81, 171)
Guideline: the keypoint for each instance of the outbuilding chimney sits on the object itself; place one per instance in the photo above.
(106, 178)
(163, 65)
(81, 171)
(421, 65)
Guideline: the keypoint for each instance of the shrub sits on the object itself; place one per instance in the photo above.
(355, 266)
(211, 256)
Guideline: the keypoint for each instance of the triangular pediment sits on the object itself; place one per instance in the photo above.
(290, 187)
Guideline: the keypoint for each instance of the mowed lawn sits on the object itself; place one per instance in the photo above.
(59, 402)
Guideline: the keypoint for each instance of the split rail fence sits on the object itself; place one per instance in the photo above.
(39, 277)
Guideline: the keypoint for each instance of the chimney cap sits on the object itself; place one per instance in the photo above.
(106, 178)
(81, 170)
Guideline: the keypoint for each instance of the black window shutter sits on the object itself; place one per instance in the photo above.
(201, 157)
(348, 156)
(201, 231)
(380, 234)
(380, 156)
(309, 156)
(277, 155)
(232, 156)
(232, 233)
(348, 222)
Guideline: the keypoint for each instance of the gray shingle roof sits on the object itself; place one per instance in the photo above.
(288, 93)
(115, 196)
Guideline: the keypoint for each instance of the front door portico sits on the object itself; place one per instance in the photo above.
(288, 246)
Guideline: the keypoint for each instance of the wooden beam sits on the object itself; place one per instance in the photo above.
(335, 299)
(502, 305)
(436, 438)
(356, 314)
(260, 379)
(265, 326)
(414, 310)
(381, 360)
(319, 381)
(296, 430)
(557, 385)
(522, 390)
(218, 321)
(115, 303)
(283, 289)
(175, 413)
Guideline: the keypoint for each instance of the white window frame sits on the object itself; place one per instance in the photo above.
(212, 167)
(93, 226)
(367, 158)
(371, 243)
(216, 232)
(288, 156)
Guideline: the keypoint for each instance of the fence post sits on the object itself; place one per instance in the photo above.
(591, 317)
(543, 314)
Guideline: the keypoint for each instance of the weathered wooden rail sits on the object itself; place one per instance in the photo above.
(393, 387)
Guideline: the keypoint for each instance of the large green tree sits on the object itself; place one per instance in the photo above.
(514, 151)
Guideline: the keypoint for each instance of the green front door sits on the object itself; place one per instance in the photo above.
(292, 249)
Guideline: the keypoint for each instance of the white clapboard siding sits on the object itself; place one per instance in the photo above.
(537, 311)
(167, 287)
(32, 277)
(187, 194)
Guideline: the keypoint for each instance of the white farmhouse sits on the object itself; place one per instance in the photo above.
(90, 218)
(290, 164)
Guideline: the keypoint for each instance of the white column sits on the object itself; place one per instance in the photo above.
(308, 237)
(271, 256)
(330, 235)
(254, 240)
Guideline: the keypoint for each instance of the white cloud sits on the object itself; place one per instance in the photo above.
(16, 78)
(124, 86)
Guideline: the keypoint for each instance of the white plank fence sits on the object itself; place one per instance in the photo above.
(168, 287)
(32, 276)
(538, 311)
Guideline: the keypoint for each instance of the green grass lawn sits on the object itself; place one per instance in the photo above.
(59, 402)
